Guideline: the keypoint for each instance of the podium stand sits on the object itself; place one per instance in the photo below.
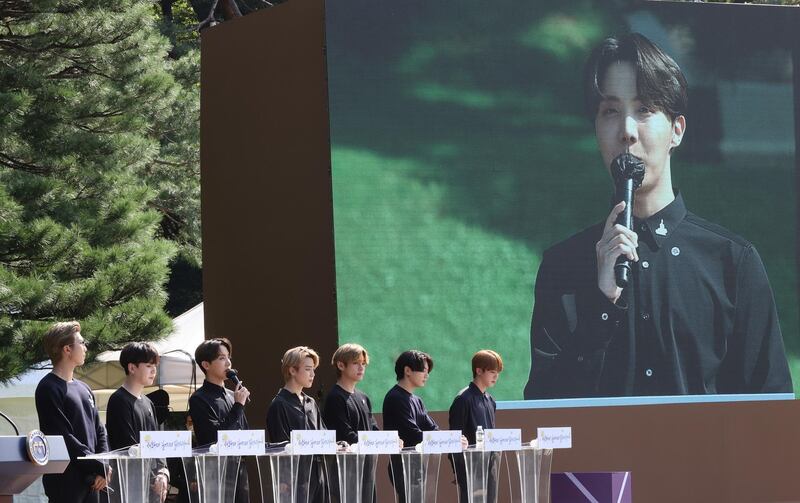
(17, 472)
(213, 476)
(132, 477)
(534, 474)
(481, 469)
(290, 474)
(355, 478)
(420, 475)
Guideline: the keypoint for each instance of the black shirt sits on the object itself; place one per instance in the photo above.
(470, 409)
(213, 409)
(699, 318)
(405, 412)
(69, 409)
(287, 413)
(126, 416)
(348, 413)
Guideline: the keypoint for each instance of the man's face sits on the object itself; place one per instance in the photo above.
(75, 352)
(487, 378)
(218, 367)
(623, 121)
(353, 371)
(143, 373)
(418, 378)
(303, 374)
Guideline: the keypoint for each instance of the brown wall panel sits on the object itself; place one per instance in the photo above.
(268, 272)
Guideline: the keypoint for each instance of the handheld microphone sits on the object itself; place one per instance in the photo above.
(628, 173)
(234, 378)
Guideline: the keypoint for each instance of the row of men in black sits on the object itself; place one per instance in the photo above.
(67, 407)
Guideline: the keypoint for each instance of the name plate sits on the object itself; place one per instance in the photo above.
(441, 442)
(313, 441)
(554, 438)
(378, 442)
(508, 439)
(165, 444)
(240, 442)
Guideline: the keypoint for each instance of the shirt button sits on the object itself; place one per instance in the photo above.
(645, 264)
(643, 227)
(675, 251)
(604, 316)
(645, 316)
(580, 358)
(648, 372)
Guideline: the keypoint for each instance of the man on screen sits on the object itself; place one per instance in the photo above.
(699, 316)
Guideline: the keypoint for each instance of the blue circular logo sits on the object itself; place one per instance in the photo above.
(38, 448)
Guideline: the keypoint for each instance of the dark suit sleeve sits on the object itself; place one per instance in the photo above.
(278, 428)
(400, 411)
(373, 424)
(337, 418)
(121, 427)
(756, 358)
(457, 416)
(568, 352)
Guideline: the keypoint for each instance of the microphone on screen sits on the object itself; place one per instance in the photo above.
(628, 173)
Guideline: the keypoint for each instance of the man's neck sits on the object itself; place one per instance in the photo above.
(133, 387)
(480, 385)
(64, 369)
(406, 385)
(347, 384)
(219, 381)
(294, 387)
(647, 204)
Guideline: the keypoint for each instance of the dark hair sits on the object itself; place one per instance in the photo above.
(413, 359)
(659, 80)
(208, 350)
(136, 353)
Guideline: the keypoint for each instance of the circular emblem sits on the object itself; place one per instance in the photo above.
(38, 448)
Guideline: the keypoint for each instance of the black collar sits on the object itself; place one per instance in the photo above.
(658, 228)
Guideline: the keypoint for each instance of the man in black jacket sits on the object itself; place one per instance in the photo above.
(474, 407)
(67, 407)
(291, 409)
(214, 408)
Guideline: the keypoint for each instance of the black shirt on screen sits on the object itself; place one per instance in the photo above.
(700, 317)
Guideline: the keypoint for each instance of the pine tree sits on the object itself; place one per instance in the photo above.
(86, 92)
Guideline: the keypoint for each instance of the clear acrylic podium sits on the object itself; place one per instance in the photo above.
(132, 476)
(354, 480)
(211, 478)
(488, 473)
(288, 475)
(420, 475)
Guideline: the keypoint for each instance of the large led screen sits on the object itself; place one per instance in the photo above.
(462, 151)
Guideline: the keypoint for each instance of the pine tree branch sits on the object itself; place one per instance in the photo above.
(10, 162)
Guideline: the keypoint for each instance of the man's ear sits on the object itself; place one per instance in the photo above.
(341, 366)
(479, 372)
(205, 365)
(678, 130)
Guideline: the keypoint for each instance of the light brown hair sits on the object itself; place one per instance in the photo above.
(294, 357)
(349, 353)
(486, 359)
(59, 335)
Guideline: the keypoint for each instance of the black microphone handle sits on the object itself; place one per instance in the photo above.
(234, 378)
(622, 268)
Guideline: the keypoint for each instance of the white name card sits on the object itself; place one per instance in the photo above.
(441, 442)
(509, 439)
(554, 438)
(240, 442)
(165, 444)
(378, 442)
(313, 441)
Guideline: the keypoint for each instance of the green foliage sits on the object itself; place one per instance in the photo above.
(98, 145)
